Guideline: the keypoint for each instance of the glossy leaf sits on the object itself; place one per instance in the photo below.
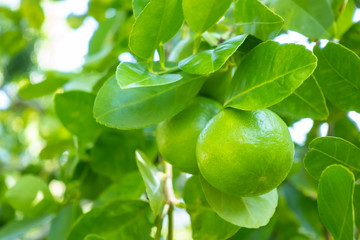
(305, 211)
(325, 151)
(61, 224)
(52, 81)
(74, 109)
(307, 101)
(205, 223)
(210, 61)
(131, 75)
(84, 82)
(343, 12)
(138, 6)
(216, 85)
(113, 154)
(263, 232)
(157, 23)
(200, 15)
(91, 184)
(351, 39)
(128, 187)
(335, 201)
(357, 205)
(141, 107)
(249, 212)
(31, 196)
(346, 128)
(15, 229)
(100, 42)
(116, 220)
(304, 16)
(153, 182)
(43, 88)
(264, 78)
(338, 74)
(256, 19)
(93, 237)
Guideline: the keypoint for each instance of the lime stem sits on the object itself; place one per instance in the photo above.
(161, 55)
(159, 222)
(197, 42)
(171, 222)
(150, 65)
(170, 199)
(169, 70)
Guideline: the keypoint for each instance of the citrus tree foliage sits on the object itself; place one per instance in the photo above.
(106, 152)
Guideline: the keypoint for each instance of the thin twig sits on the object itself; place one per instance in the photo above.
(170, 199)
(171, 222)
(159, 221)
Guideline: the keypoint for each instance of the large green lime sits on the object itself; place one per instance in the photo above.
(245, 153)
(177, 137)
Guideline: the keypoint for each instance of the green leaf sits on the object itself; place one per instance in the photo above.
(351, 39)
(307, 101)
(93, 237)
(3, 187)
(337, 7)
(138, 6)
(325, 151)
(268, 74)
(305, 17)
(263, 232)
(153, 182)
(15, 229)
(216, 85)
(343, 11)
(119, 148)
(256, 19)
(91, 184)
(205, 223)
(61, 224)
(131, 75)
(357, 205)
(83, 82)
(31, 10)
(56, 148)
(357, 3)
(31, 196)
(210, 61)
(102, 38)
(156, 24)
(346, 128)
(200, 15)
(43, 88)
(335, 201)
(129, 186)
(338, 74)
(116, 220)
(141, 107)
(249, 212)
(53, 81)
(74, 110)
(305, 210)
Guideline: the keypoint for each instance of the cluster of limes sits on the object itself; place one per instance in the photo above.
(241, 153)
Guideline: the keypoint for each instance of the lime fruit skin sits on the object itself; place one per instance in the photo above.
(177, 137)
(245, 153)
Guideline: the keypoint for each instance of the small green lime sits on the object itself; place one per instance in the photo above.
(177, 137)
(245, 153)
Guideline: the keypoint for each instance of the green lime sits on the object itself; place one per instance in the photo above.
(177, 137)
(245, 153)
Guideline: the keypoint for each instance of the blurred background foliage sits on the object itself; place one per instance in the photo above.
(38, 154)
